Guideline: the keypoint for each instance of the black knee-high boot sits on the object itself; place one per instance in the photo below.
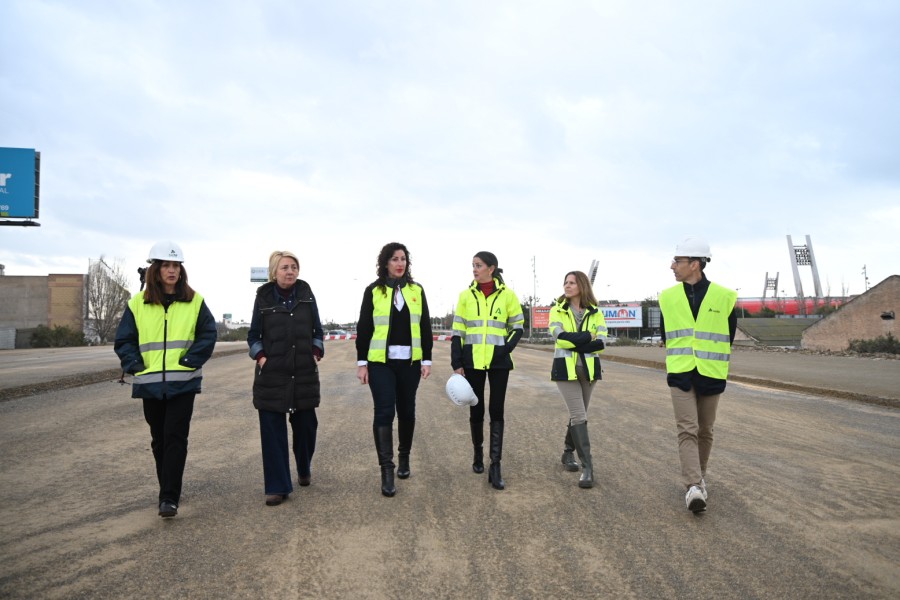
(583, 447)
(496, 454)
(477, 442)
(405, 433)
(384, 445)
(568, 455)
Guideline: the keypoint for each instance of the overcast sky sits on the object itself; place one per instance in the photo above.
(558, 132)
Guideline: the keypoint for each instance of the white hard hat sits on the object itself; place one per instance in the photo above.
(693, 246)
(165, 250)
(460, 392)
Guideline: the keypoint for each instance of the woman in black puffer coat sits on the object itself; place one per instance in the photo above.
(285, 340)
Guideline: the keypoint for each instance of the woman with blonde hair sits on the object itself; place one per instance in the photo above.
(579, 332)
(285, 340)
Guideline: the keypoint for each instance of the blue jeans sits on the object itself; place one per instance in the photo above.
(276, 459)
(393, 385)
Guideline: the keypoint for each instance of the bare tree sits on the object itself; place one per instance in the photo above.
(107, 296)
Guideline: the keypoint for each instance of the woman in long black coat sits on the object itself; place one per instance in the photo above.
(285, 340)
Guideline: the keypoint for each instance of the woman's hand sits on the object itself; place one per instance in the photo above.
(460, 372)
(362, 373)
(261, 362)
(426, 371)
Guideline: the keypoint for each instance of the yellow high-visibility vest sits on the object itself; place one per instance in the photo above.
(704, 343)
(383, 301)
(562, 319)
(164, 337)
(484, 324)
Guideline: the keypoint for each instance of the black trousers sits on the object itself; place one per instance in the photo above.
(393, 385)
(498, 379)
(170, 423)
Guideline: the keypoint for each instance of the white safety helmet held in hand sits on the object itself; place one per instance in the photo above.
(166, 250)
(695, 247)
(460, 392)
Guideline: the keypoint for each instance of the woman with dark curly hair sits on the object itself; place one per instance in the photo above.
(393, 350)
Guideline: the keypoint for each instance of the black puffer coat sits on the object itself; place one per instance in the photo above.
(289, 380)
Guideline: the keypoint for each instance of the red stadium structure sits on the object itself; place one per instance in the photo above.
(787, 306)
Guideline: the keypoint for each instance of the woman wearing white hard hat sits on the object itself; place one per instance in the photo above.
(393, 351)
(165, 337)
(579, 332)
(285, 340)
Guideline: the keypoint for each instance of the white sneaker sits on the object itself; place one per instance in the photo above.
(695, 499)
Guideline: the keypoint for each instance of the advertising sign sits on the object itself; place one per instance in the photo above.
(19, 183)
(259, 274)
(540, 317)
(653, 314)
(624, 315)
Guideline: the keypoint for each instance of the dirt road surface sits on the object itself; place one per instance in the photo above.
(804, 498)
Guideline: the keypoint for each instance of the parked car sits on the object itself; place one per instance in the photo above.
(610, 340)
(651, 339)
(336, 332)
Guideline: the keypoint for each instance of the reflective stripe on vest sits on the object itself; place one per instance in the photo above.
(164, 337)
(485, 323)
(704, 344)
(383, 304)
(561, 320)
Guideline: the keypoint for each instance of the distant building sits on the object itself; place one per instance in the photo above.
(27, 301)
(230, 324)
(867, 316)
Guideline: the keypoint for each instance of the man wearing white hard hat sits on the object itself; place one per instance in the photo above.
(698, 324)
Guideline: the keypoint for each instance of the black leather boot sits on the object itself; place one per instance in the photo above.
(477, 442)
(384, 445)
(583, 447)
(405, 433)
(494, 476)
(568, 455)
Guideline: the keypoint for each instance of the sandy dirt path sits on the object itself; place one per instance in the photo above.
(804, 498)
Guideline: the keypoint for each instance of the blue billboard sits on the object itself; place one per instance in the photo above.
(19, 183)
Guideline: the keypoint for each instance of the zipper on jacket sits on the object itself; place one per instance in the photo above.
(297, 301)
(484, 343)
(165, 344)
(581, 328)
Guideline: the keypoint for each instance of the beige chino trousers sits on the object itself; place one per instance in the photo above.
(577, 395)
(694, 419)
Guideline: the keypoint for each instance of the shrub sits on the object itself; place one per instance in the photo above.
(234, 335)
(59, 336)
(884, 343)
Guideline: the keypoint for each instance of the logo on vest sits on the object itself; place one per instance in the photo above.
(712, 310)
